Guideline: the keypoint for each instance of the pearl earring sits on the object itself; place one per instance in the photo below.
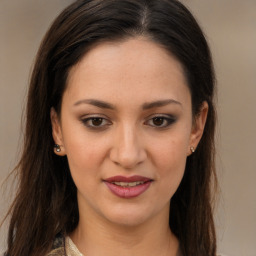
(192, 150)
(57, 148)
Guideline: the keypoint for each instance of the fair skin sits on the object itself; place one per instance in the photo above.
(143, 125)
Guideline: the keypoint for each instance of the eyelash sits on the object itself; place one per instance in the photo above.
(167, 120)
(86, 121)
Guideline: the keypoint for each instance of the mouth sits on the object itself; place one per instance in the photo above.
(128, 187)
(128, 184)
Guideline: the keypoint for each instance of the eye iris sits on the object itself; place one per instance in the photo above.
(97, 121)
(158, 121)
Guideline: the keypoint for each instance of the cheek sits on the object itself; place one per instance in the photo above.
(85, 157)
(172, 156)
(85, 160)
(171, 149)
(170, 160)
(85, 153)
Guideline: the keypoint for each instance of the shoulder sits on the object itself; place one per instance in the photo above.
(58, 247)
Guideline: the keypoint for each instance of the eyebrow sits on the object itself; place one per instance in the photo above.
(160, 103)
(96, 103)
(145, 106)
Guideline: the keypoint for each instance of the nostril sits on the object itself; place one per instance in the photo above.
(127, 150)
(128, 159)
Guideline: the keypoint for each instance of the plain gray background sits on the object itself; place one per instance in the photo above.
(230, 26)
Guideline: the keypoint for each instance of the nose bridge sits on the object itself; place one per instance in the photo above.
(128, 150)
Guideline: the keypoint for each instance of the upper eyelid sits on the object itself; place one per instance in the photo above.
(99, 115)
(88, 116)
(164, 117)
(96, 117)
(167, 116)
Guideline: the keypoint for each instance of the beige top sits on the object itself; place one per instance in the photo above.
(71, 249)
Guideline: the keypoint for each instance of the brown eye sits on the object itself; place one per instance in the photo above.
(161, 121)
(158, 121)
(97, 121)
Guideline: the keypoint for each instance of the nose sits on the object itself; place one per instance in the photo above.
(128, 150)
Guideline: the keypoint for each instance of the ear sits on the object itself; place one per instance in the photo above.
(198, 127)
(59, 148)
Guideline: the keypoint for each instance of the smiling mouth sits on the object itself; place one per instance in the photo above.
(128, 187)
(128, 184)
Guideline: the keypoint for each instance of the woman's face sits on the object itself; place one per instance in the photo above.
(126, 128)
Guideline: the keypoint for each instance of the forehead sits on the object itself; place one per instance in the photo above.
(136, 67)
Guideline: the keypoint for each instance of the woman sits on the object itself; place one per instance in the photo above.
(118, 154)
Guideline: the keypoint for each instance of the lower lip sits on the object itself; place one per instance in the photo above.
(128, 192)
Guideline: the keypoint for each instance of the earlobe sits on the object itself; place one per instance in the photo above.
(198, 127)
(57, 134)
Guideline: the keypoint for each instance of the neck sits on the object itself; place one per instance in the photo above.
(100, 237)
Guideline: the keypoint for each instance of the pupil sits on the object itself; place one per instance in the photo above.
(158, 121)
(97, 121)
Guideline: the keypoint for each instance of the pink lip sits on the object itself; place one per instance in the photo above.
(128, 192)
(127, 179)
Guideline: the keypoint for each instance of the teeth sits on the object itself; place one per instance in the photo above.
(128, 184)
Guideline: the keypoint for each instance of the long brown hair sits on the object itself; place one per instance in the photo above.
(46, 202)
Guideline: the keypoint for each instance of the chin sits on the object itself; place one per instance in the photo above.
(129, 216)
(128, 220)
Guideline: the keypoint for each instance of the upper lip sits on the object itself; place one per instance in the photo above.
(127, 179)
